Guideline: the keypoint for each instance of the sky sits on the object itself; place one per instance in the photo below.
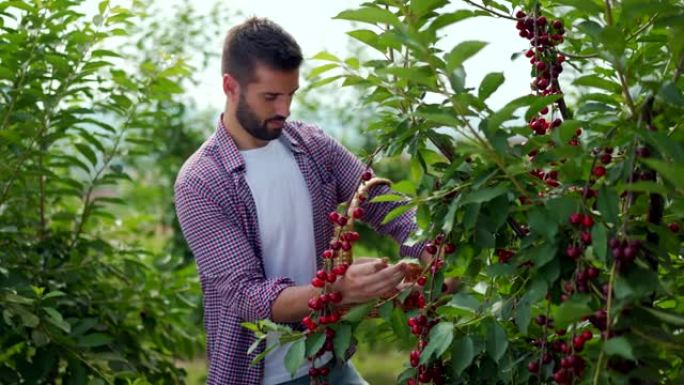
(317, 31)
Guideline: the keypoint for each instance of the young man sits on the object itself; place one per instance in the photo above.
(253, 204)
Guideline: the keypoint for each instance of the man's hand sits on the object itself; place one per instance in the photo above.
(368, 278)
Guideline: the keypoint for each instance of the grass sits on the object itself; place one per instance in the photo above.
(379, 366)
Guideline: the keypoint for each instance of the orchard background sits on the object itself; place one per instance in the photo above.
(564, 205)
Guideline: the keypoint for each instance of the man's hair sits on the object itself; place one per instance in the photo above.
(258, 41)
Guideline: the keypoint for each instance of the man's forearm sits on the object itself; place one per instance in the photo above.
(293, 303)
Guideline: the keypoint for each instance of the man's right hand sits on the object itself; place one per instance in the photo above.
(369, 278)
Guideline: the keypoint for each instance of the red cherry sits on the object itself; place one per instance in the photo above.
(328, 254)
(592, 272)
(587, 335)
(333, 217)
(317, 282)
(606, 158)
(358, 213)
(576, 218)
(520, 14)
(578, 343)
(540, 320)
(586, 237)
(449, 248)
(573, 252)
(315, 304)
(674, 227)
(599, 171)
(342, 220)
(335, 297)
(321, 274)
(421, 301)
(331, 277)
(587, 221)
(557, 24)
(346, 246)
(421, 280)
(313, 372)
(366, 176)
(533, 366)
(431, 249)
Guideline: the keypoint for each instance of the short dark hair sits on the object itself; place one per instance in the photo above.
(258, 40)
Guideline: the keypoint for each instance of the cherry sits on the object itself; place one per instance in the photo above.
(342, 221)
(606, 158)
(587, 335)
(599, 171)
(592, 272)
(587, 221)
(674, 227)
(431, 249)
(557, 24)
(533, 366)
(333, 217)
(520, 15)
(358, 213)
(449, 248)
(541, 320)
(328, 254)
(335, 296)
(317, 282)
(366, 176)
(421, 280)
(586, 237)
(322, 275)
(643, 151)
(315, 303)
(576, 218)
(573, 251)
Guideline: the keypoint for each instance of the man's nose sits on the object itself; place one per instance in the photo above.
(283, 106)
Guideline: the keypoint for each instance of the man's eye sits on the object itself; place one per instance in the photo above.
(270, 98)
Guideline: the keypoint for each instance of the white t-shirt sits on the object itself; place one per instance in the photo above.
(286, 231)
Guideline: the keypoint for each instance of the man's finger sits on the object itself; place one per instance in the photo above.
(369, 268)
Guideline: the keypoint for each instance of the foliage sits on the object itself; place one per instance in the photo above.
(576, 226)
(82, 303)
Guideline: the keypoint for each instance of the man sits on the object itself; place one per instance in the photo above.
(253, 203)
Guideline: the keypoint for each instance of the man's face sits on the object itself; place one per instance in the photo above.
(264, 104)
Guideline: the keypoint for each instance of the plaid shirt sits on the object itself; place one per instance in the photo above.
(219, 221)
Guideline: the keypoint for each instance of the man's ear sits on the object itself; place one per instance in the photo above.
(231, 87)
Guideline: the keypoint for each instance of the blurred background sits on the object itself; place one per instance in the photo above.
(102, 102)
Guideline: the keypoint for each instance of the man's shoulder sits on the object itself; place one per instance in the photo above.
(201, 167)
(309, 135)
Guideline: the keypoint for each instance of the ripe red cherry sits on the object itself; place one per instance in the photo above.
(520, 14)
(317, 282)
(366, 176)
(573, 252)
(533, 366)
(599, 171)
(449, 248)
(342, 220)
(587, 221)
(592, 272)
(431, 249)
(674, 227)
(606, 158)
(576, 218)
(421, 280)
(327, 254)
(315, 303)
(333, 217)
(587, 335)
(358, 213)
(335, 297)
(586, 237)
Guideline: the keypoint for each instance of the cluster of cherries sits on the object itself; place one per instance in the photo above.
(562, 351)
(422, 323)
(336, 260)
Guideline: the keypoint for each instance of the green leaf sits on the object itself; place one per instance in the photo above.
(371, 15)
(540, 223)
(446, 19)
(464, 301)
(670, 171)
(608, 204)
(388, 198)
(422, 7)
(405, 187)
(672, 94)
(462, 355)
(496, 340)
(462, 52)
(671, 318)
(321, 69)
(619, 346)
(598, 82)
(56, 319)
(357, 313)
(314, 343)
(53, 294)
(490, 84)
(94, 340)
(342, 339)
(295, 356)
(440, 338)
(539, 103)
(325, 56)
(484, 195)
(397, 211)
(86, 151)
(599, 241)
(523, 315)
(572, 310)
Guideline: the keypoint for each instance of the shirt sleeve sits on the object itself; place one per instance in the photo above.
(225, 259)
(347, 169)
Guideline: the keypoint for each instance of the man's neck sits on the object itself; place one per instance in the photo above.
(243, 140)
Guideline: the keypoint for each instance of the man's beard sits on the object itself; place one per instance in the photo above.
(250, 122)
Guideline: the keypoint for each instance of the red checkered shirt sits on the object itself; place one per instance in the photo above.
(219, 221)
